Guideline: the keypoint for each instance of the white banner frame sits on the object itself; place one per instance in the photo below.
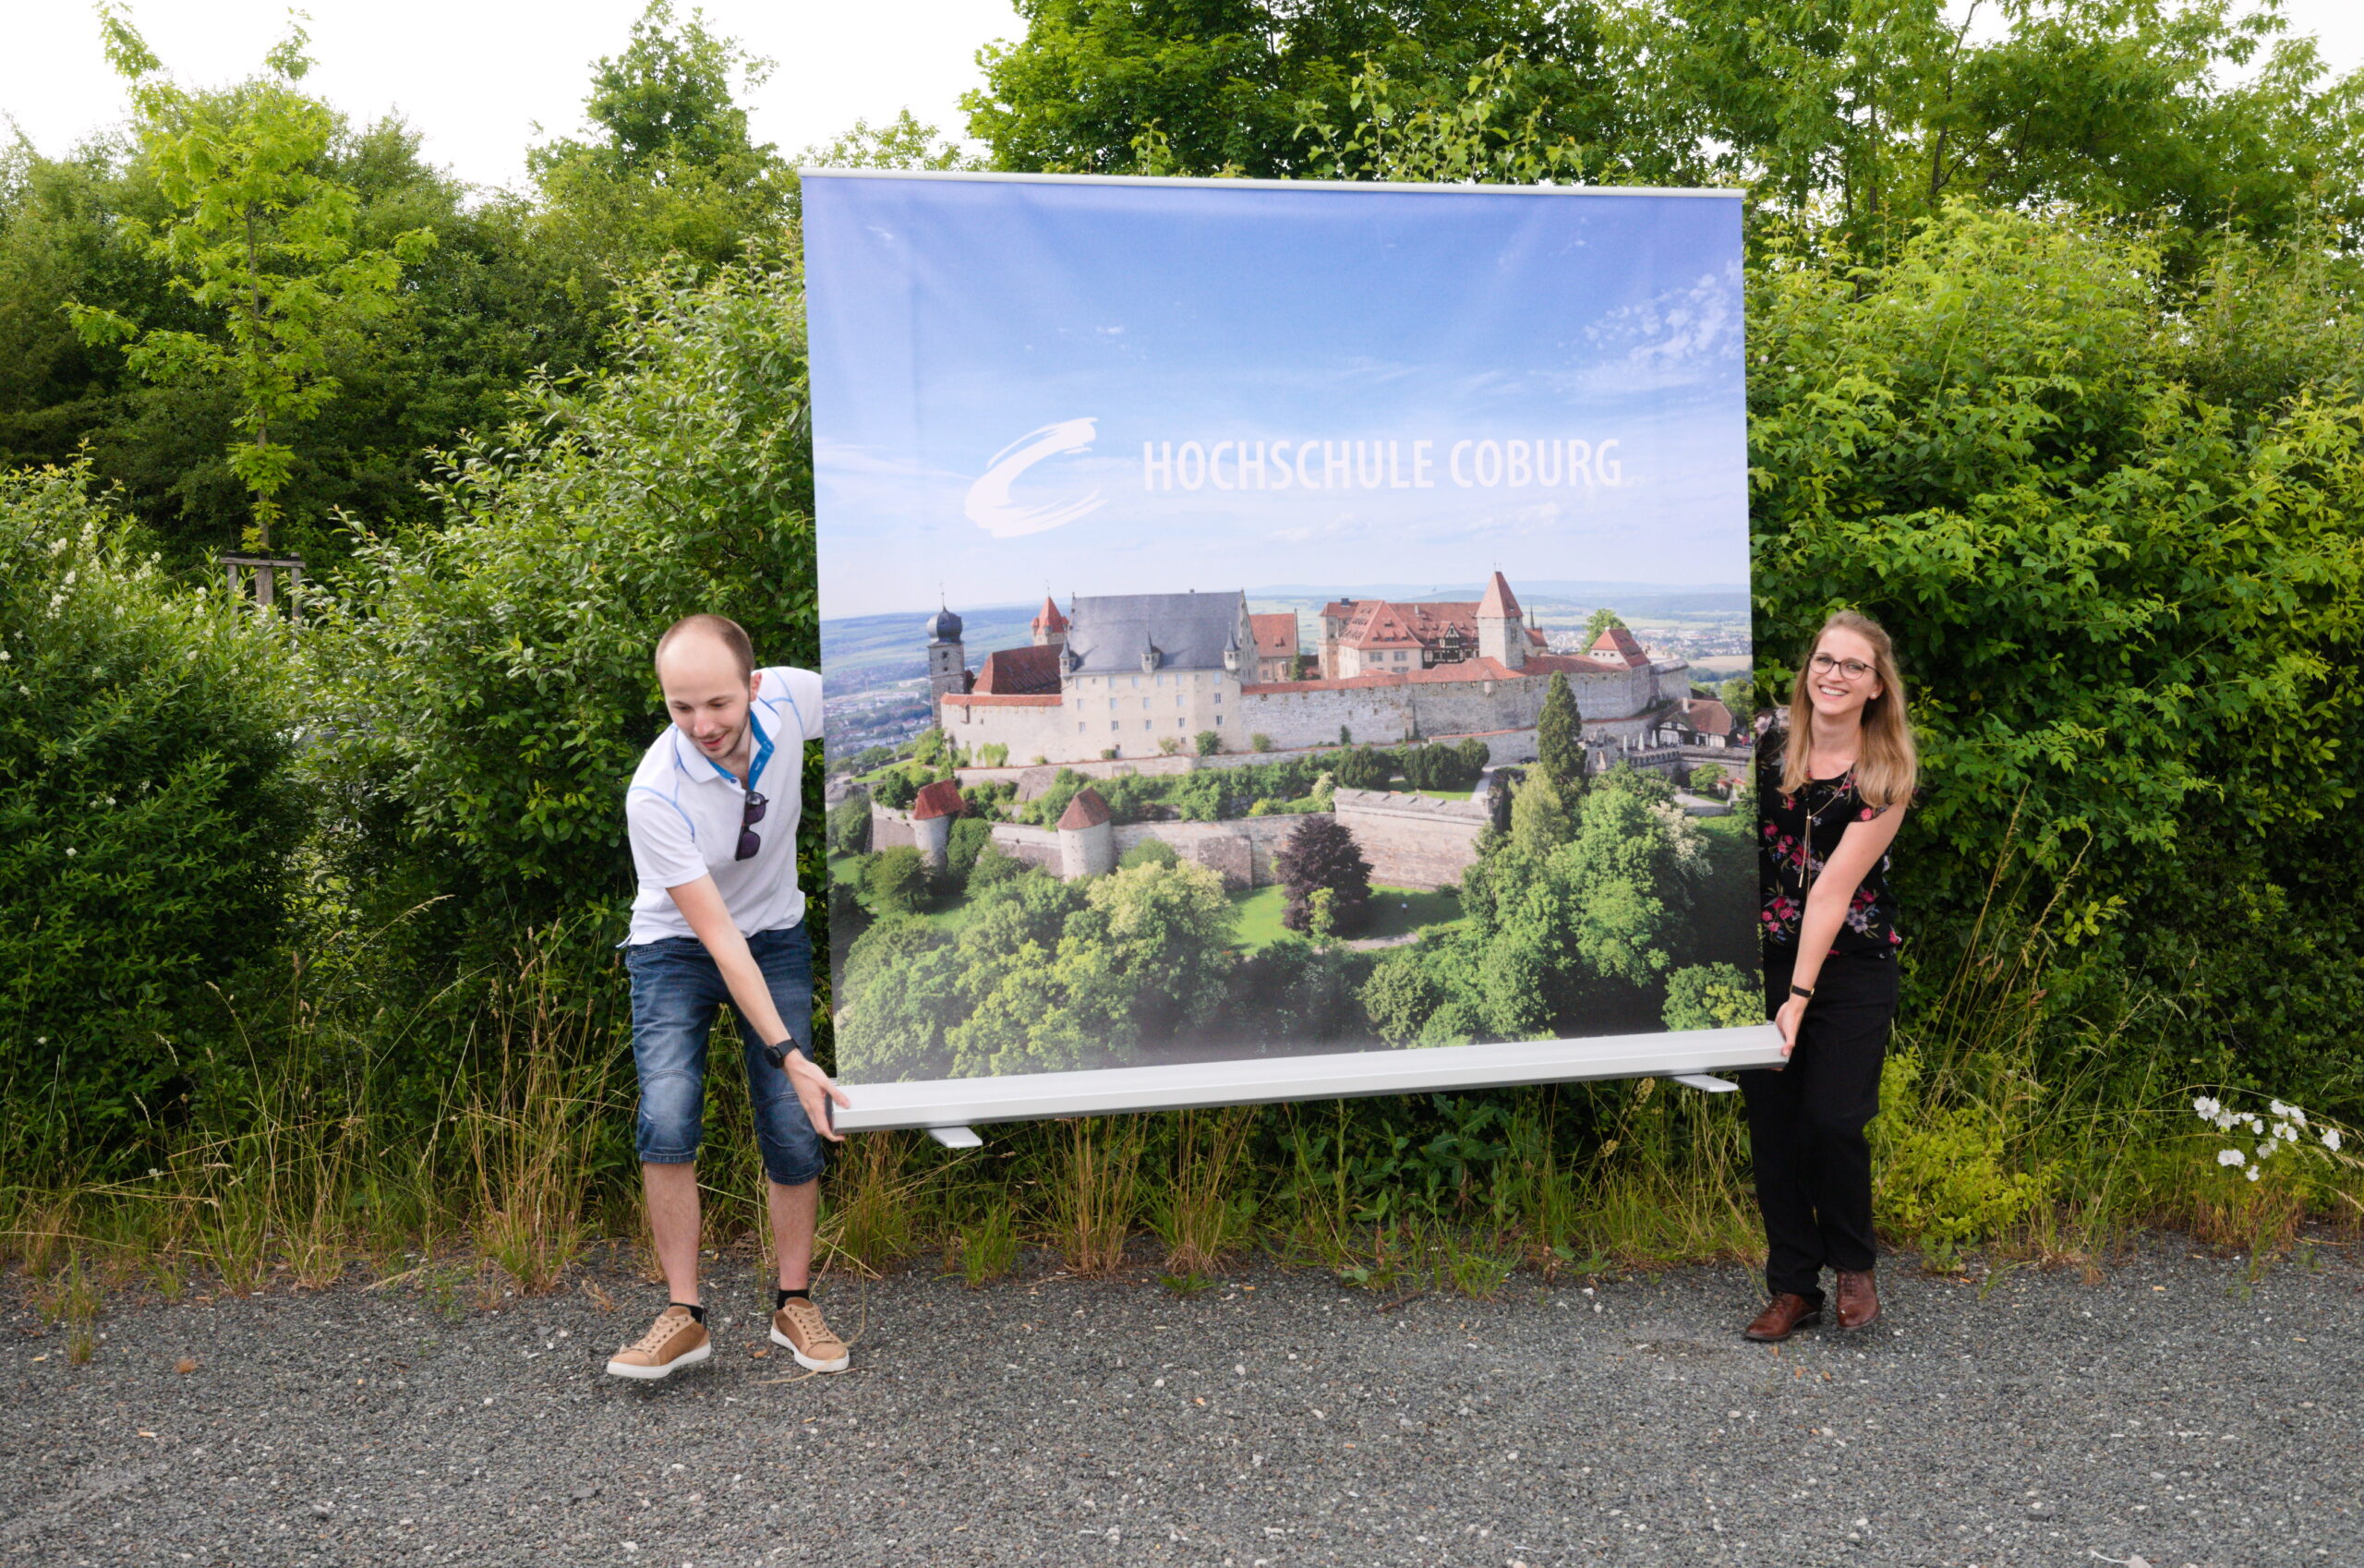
(934, 1104)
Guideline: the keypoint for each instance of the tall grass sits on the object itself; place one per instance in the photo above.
(2034, 1107)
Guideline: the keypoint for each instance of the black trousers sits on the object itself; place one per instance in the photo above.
(1805, 1122)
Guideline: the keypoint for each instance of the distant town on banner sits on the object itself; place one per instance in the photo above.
(1114, 674)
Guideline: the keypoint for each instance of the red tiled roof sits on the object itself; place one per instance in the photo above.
(1086, 810)
(1620, 645)
(1573, 664)
(1381, 623)
(939, 798)
(1500, 603)
(1050, 619)
(1276, 635)
(1021, 672)
(1000, 699)
(1709, 717)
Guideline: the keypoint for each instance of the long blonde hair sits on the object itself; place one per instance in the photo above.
(1889, 766)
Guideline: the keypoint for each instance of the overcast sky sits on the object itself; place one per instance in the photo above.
(474, 75)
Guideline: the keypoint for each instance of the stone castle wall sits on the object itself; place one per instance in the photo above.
(890, 829)
(1413, 840)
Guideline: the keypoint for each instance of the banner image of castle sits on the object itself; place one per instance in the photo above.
(1264, 619)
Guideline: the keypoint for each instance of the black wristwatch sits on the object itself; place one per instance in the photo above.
(1796, 990)
(777, 1055)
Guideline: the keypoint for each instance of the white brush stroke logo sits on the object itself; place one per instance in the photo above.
(990, 505)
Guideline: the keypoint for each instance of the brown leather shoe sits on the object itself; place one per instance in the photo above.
(1859, 1300)
(1783, 1316)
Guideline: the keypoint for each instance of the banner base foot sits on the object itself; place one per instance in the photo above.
(957, 1137)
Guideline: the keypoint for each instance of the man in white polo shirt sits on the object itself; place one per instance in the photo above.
(712, 811)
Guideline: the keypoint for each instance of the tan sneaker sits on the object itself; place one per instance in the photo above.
(674, 1340)
(797, 1325)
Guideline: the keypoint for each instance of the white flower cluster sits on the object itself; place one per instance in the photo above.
(2288, 1131)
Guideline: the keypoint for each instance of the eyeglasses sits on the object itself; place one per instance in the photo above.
(749, 842)
(1853, 668)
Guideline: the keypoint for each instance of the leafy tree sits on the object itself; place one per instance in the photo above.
(149, 830)
(849, 825)
(1208, 742)
(901, 143)
(896, 790)
(1540, 821)
(1712, 996)
(1322, 853)
(963, 845)
(478, 686)
(1739, 695)
(260, 241)
(1149, 851)
(895, 880)
(666, 166)
(1603, 620)
(1560, 740)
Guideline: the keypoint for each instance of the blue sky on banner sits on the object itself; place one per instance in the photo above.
(1103, 388)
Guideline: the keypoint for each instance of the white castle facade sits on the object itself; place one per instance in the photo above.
(1119, 674)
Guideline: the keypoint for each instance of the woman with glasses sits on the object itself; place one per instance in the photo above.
(1833, 786)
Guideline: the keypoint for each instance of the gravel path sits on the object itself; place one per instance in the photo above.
(2170, 1414)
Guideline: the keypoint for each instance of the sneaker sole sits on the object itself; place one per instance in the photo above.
(807, 1362)
(649, 1374)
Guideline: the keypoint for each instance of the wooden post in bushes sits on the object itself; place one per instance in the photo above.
(258, 576)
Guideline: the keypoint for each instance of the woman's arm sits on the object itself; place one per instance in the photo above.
(1860, 848)
(701, 904)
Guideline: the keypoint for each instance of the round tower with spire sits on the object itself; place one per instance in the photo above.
(948, 661)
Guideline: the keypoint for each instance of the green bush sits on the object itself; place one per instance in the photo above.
(849, 825)
(487, 687)
(1149, 851)
(1713, 997)
(1210, 742)
(895, 880)
(148, 823)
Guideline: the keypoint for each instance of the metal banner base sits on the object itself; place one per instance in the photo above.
(961, 1103)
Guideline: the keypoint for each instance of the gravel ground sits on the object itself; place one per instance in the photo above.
(2170, 1414)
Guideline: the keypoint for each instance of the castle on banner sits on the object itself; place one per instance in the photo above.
(1118, 674)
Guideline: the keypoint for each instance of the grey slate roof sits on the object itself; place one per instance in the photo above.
(1190, 631)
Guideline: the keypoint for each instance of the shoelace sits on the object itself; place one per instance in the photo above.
(665, 1328)
(808, 1319)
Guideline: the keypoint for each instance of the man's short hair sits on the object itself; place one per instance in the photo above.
(722, 629)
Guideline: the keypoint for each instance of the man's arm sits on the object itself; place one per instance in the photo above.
(701, 904)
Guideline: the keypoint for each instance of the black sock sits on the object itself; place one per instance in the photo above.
(779, 1297)
(695, 1311)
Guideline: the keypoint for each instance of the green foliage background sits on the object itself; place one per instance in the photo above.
(2054, 353)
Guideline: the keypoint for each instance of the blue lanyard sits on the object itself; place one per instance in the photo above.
(763, 753)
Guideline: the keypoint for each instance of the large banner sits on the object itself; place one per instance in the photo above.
(1266, 619)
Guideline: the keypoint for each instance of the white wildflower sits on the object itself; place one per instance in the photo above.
(2330, 1139)
(69, 851)
(2228, 1157)
(2257, 1128)
(5, 656)
(2227, 1120)
(2286, 1131)
(2252, 1173)
(2205, 1108)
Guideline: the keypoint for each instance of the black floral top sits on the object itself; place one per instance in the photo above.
(1786, 862)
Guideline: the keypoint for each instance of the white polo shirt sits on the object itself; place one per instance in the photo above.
(683, 811)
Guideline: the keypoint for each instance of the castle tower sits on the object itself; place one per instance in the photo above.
(1087, 838)
(1502, 634)
(932, 816)
(1050, 626)
(947, 662)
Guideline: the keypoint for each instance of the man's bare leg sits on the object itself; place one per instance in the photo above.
(796, 1212)
(672, 1196)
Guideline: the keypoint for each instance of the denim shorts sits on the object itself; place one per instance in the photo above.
(676, 989)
